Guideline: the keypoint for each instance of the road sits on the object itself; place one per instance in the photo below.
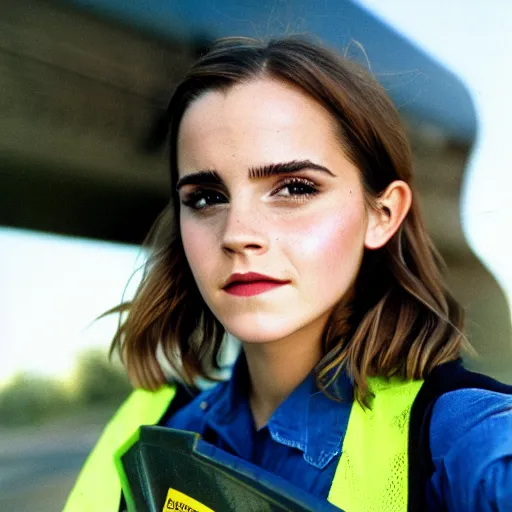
(38, 465)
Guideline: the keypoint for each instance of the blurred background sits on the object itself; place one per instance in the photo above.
(83, 85)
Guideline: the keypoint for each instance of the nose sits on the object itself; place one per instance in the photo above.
(245, 231)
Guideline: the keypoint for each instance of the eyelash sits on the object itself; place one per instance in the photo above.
(203, 193)
(303, 182)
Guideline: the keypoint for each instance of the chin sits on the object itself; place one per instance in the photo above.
(259, 331)
(255, 338)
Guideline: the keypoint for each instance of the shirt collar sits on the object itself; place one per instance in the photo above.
(312, 422)
(307, 420)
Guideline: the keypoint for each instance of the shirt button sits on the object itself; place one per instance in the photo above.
(203, 405)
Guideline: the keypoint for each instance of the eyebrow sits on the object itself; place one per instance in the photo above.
(286, 168)
(200, 178)
(212, 177)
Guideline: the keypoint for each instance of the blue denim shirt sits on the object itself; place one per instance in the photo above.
(301, 442)
(471, 439)
(471, 445)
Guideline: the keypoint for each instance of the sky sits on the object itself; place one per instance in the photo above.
(53, 287)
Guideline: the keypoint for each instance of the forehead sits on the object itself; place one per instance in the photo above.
(253, 123)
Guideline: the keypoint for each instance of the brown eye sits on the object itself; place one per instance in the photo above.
(202, 199)
(296, 187)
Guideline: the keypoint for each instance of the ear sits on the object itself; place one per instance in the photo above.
(387, 214)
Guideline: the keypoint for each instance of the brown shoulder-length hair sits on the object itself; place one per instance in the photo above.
(400, 321)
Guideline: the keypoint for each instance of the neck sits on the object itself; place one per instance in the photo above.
(277, 368)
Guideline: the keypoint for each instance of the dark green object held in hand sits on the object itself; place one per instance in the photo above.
(163, 469)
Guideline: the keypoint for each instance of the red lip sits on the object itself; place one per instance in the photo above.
(250, 277)
(251, 283)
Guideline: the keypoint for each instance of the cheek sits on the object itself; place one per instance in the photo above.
(196, 246)
(330, 243)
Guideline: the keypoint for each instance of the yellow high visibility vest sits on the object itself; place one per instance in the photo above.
(372, 474)
(98, 488)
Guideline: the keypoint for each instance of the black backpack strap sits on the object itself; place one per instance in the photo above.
(443, 379)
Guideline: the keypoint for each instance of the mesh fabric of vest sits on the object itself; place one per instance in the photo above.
(372, 475)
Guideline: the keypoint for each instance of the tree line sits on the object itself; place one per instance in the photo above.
(30, 399)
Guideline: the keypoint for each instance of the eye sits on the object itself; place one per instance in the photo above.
(296, 188)
(203, 198)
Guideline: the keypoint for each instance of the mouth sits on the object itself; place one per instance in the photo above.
(251, 283)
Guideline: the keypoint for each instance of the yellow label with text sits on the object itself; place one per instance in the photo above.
(176, 500)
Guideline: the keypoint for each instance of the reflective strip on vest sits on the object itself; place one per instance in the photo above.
(372, 475)
(98, 487)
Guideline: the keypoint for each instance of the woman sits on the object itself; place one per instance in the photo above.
(297, 231)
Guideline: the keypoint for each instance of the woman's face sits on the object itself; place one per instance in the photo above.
(265, 187)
